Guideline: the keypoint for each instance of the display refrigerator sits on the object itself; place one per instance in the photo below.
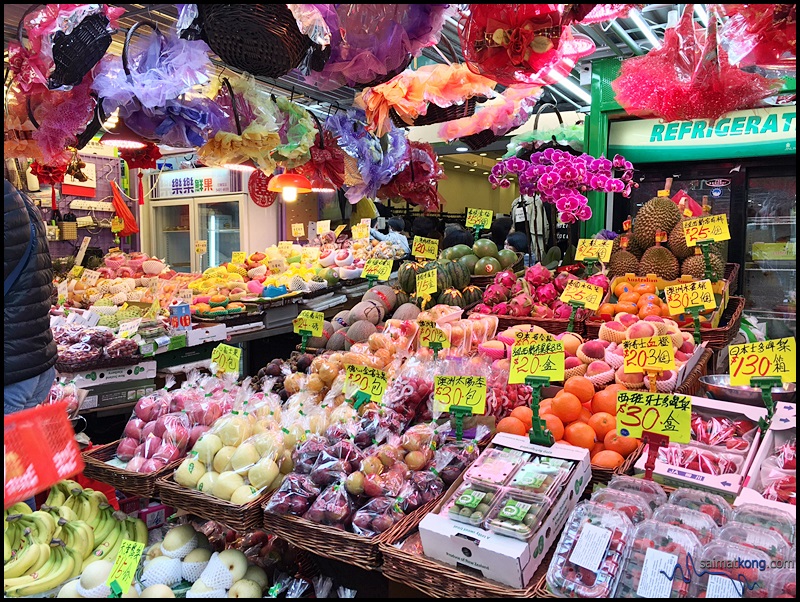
(759, 198)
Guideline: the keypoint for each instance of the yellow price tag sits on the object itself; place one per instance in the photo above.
(125, 565)
(323, 227)
(90, 277)
(648, 355)
(227, 358)
(537, 359)
(689, 294)
(425, 247)
(201, 247)
(369, 380)
(464, 391)
(580, 290)
(426, 283)
(76, 272)
(360, 232)
(311, 321)
(777, 358)
(285, 247)
(238, 257)
(479, 217)
(298, 230)
(591, 248)
(710, 227)
(377, 268)
(429, 333)
(339, 230)
(669, 415)
(532, 337)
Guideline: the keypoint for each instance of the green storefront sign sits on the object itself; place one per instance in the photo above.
(749, 133)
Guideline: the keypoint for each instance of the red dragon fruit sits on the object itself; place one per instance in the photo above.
(482, 308)
(521, 305)
(538, 275)
(541, 311)
(501, 309)
(561, 280)
(600, 280)
(520, 286)
(505, 278)
(561, 310)
(546, 293)
(494, 294)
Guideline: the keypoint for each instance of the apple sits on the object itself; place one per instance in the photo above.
(222, 459)
(354, 483)
(127, 448)
(207, 447)
(262, 473)
(189, 472)
(149, 447)
(148, 430)
(244, 494)
(149, 408)
(236, 563)
(135, 464)
(245, 456)
(226, 484)
(152, 465)
(134, 429)
(245, 588)
(343, 257)
(195, 433)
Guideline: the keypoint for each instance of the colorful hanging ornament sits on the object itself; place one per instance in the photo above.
(258, 187)
(326, 169)
(141, 158)
(418, 182)
(50, 175)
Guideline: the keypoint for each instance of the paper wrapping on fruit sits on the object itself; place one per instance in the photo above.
(723, 433)
(700, 460)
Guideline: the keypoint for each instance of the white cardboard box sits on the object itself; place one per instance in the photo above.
(782, 428)
(497, 557)
(728, 485)
(106, 376)
(206, 334)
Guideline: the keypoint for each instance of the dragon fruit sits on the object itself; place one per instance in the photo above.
(494, 294)
(521, 305)
(546, 293)
(541, 311)
(561, 280)
(501, 309)
(538, 275)
(505, 278)
(600, 280)
(520, 286)
(561, 310)
(482, 308)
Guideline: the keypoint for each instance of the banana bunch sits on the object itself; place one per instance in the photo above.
(117, 529)
(54, 564)
(38, 526)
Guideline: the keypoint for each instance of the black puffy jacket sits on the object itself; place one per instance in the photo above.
(28, 346)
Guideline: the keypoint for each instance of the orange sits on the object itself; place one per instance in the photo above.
(511, 425)
(585, 416)
(648, 298)
(665, 311)
(622, 287)
(607, 309)
(602, 422)
(581, 387)
(644, 287)
(649, 310)
(567, 407)
(555, 426)
(605, 401)
(546, 407)
(628, 298)
(607, 459)
(598, 447)
(580, 434)
(524, 414)
(627, 308)
(622, 445)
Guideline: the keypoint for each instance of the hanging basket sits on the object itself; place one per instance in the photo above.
(389, 75)
(482, 139)
(262, 39)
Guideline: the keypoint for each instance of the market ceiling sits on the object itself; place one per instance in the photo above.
(622, 37)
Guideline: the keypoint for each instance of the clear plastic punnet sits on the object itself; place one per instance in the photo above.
(708, 503)
(769, 518)
(650, 568)
(495, 467)
(699, 523)
(770, 542)
(651, 491)
(472, 503)
(730, 570)
(517, 514)
(538, 478)
(629, 504)
(586, 562)
(783, 584)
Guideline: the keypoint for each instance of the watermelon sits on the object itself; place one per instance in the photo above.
(442, 278)
(484, 247)
(452, 297)
(507, 258)
(487, 266)
(407, 276)
(472, 295)
(460, 251)
(402, 296)
(459, 275)
(447, 254)
(422, 303)
(469, 261)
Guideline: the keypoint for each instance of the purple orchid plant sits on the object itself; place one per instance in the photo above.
(561, 178)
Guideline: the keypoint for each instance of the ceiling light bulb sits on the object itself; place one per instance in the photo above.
(290, 194)
(457, 166)
(462, 149)
(472, 169)
(483, 154)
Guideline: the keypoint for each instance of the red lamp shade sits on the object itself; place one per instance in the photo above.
(122, 136)
(289, 180)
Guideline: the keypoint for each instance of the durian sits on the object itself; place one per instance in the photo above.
(695, 266)
(659, 213)
(623, 262)
(659, 261)
(677, 242)
(636, 249)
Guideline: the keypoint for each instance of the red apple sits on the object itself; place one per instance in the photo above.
(135, 463)
(148, 430)
(196, 432)
(134, 429)
(127, 448)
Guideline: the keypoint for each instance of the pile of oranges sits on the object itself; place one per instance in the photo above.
(580, 416)
(637, 299)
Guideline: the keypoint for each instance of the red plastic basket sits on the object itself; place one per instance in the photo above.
(40, 450)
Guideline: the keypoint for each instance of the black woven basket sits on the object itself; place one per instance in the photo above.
(262, 39)
(482, 139)
(385, 78)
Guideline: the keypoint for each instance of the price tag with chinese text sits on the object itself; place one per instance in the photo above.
(238, 257)
(426, 283)
(75, 272)
(276, 266)
(339, 230)
(648, 355)
(186, 294)
(689, 294)
(201, 247)
(592, 248)
(429, 333)
(298, 230)
(425, 247)
(464, 391)
(479, 217)
(285, 247)
(580, 290)
(377, 268)
(227, 358)
(90, 277)
(669, 415)
(367, 379)
(129, 329)
(360, 232)
(710, 227)
(323, 227)
(777, 358)
(125, 565)
(532, 337)
(309, 320)
(537, 359)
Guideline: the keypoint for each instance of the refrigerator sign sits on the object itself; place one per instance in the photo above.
(193, 182)
(749, 133)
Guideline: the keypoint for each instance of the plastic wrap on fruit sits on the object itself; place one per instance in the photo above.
(377, 516)
(344, 592)
(423, 486)
(376, 425)
(67, 334)
(412, 544)
(329, 469)
(411, 388)
(502, 398)
(484, 328)
(280, 585)
(305, 456)
(402, 333)
(322, 586)
(69, 393)
(462, 454)
(780, 487)
(347, 451)
(334, 507)
(294, 496)
(97, 336)
(297, 588)
(786, 455)
(422, 436)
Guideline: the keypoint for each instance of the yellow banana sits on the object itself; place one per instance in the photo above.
(19, 508)
(48, 580)
(81, 537)
(141, 533)
(123, 535)
(82, 506)
(69, 486)
(56, 497)
(44, 556)
(13, 537)
(44, 524)
(77, 562)
(95, 499)
(49, 565)
(6, 548)
(105, 525)
(103, 548)
(23, 562)
(67, 513)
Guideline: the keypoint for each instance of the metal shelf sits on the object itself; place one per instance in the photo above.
(772, 221)
(176, 231)
(766, 269)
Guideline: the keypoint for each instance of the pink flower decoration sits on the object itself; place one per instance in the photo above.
(584, 213)
(549, 180)
(567, 218)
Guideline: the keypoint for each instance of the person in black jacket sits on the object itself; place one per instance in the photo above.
(28, 346)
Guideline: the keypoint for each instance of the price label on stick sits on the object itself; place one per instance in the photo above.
(377, 268)
(592, 248)
(129, 329)
(710, 227)
(429, 333)
(360, 232)
(669, 415)
(201, 247)
(365, 221)
(648, 355)
(285, 247)
(532, 337)
(580, 290)
(536, 359)
(227, 358)
(90, 277)
(125, 565)
(426, 283)
(776, 358)
(323, 227)
(479, 218)
(464, 391)
(425, 247)
(238, 257)
(298, 230)
(689, 294)
(369, 380)
(311, 321)
(75, 272)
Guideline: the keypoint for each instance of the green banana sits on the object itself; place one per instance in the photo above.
(80, 536)
(56, 497)
(13, 537)
(47, 579)
(69, 485)
(19, 508)
(23, 562)
(105, 525)
(6, 548)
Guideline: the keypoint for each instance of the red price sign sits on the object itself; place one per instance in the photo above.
(777, 358)
(710, 227)
(668, 415)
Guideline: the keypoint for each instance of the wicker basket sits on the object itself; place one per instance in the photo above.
(262, 39)
(135, 483)
(732, 276)
(437, 114)
(389, 75)
(551, 325)
(99, 364)
(717, 338)
(360, 551)
(69, 230)
(245, 517)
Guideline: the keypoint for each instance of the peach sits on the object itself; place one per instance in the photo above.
(598, 367)
(572, 362)
(680, 356)
(614, 325)
(641, 330)
(593, 349)
(633, 380)
(626, 319)
(571, 341)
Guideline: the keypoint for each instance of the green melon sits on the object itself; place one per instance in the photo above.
(447, 254)
(484, 247)
(487, 266)
(507, 258)
(460, 251)
(402, 296)
(452, 297)
(469, 261)
(330, 276)
(472, 295)
(407, 276)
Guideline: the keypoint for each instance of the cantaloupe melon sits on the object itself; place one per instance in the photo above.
(340, 320)
(337, 340)
(322, 341)
(371, 311)
(407, 311)
(384, 295)
(359, 332)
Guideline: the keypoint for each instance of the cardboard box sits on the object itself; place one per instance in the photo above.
(206, 334)
(155, 515)
(782, 428)
(727, 485)
(497, 557)
(114, 395)
(106, 376)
